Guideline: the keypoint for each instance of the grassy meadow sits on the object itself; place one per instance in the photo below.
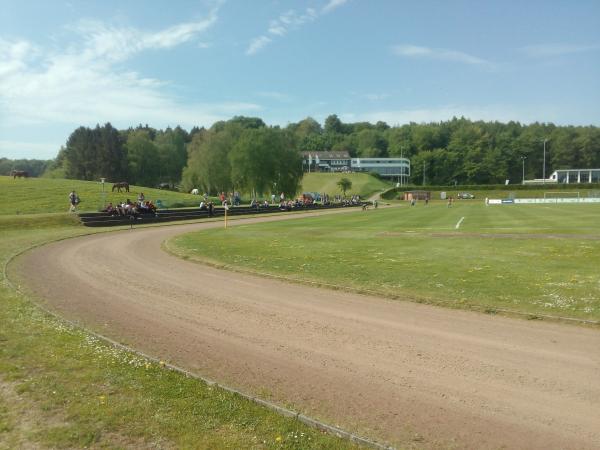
(363, 184)
(60, 387)
(47, 195)
(535, 259)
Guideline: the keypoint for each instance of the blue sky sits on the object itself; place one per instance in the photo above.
(69, 63)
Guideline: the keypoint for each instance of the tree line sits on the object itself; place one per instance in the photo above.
(34, 167)
(140, 155)
(244, 153)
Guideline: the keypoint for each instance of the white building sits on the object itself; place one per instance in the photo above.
(386, 167)
(575, 176)
(340, 161)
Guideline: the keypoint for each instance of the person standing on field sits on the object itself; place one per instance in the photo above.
(73, 200)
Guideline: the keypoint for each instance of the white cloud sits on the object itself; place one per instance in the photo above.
(117, 44)
(14, 56)
(82, 84)
(288, 21)
(546, 50)
(414, 51)
(333, 4)
(257, 44)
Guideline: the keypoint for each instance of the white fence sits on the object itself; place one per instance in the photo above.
(494, 201)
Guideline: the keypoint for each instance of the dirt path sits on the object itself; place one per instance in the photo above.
(402, 372)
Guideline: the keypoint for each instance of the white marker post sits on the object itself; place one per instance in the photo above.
(226, 208)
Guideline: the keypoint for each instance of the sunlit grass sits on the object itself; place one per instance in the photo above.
(362, 184)
(63, 388)
(538, 259)
(45, 195)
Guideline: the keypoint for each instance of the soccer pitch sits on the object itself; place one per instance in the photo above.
(534, 259)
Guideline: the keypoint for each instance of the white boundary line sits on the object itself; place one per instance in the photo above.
(459, 222)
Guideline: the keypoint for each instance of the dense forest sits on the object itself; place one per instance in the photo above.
(247, 154)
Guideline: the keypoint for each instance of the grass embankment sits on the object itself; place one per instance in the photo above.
(363, 184)
(62, 388)
(46, 195)
(536, 259)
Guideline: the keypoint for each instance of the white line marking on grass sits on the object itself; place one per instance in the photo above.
(459, 222)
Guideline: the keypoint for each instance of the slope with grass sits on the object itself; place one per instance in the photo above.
(538, 259)
(46, 195)
(363, 184)
(61, 387)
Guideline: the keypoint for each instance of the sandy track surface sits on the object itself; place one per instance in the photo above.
(405, 373)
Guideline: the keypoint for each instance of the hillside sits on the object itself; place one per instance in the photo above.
(362, 184)
(45, 195)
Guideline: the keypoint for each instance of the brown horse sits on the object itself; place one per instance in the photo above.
(19, 173)
(121, 185)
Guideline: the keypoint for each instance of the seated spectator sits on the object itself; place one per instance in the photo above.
(203, 206)
(151, 207)
(119, 209)
(144, 208)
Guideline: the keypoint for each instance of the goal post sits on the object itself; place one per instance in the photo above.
(561, 194)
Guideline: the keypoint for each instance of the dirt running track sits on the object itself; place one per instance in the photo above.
(409, 374)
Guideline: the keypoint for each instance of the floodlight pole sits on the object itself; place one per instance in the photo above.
(523, 158)
(401, 166)
(102, 180)
(544, 168)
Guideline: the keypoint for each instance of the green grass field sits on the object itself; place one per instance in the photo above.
(362, 184)
(60, 387)
(46, 195)
(535, 259)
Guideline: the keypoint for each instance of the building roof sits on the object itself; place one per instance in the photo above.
(575, 170)
(342, 154)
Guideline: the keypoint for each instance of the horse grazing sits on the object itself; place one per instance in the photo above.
(19, 173)
(121, 185)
